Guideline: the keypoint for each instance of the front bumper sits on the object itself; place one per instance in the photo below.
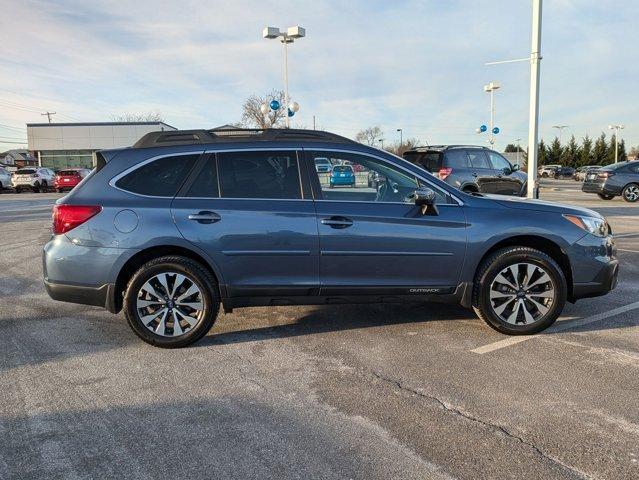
(595, 267)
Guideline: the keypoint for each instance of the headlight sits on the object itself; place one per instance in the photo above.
(595, 225)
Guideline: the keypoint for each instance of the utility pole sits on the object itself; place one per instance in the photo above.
(561, 129)
(616, 128)
(48, 114)
(533, 120)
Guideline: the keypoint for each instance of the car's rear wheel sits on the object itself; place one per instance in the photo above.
(605, 197)
(171, 302)
(36, 187)
(519, 291)
(631, 193)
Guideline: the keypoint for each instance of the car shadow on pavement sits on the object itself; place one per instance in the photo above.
(335, 318)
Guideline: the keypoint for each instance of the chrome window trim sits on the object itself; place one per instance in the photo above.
(457, 200)
(132, 168)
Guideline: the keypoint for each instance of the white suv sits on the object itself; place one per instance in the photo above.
(548, 170)
(33, 178)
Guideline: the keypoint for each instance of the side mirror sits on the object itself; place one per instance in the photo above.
(426, 198)
(515, 168)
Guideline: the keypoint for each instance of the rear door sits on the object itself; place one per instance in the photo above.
(249, 211)
(482, 171)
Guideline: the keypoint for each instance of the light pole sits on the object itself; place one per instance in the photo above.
(287, 37)
(518, 149)
(491, 87)
(616, 128)
(381, 140)
(561, 129)
(401, 137)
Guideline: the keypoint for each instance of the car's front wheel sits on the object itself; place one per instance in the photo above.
(519, 291)
(171, 302)
(631, 193)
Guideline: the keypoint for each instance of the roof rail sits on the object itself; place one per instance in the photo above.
(444, 147)
(226, 135)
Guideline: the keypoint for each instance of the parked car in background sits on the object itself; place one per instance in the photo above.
(613, 180)
(470, 168)
(323, 165)
(186, 222)
(342, 175)
(564, 172)
(67, 179)
(37, 179)
(580, 173)
(5, 178)
(548, 171)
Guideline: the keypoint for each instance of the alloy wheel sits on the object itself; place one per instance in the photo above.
(170, 304)
(631, 193)
(522, 294)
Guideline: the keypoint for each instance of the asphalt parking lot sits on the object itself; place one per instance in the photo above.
(371, 392)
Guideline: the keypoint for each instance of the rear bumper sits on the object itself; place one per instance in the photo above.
(601, 188)
(103, 296)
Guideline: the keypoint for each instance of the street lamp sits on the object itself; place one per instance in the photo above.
(381, 140)
(401, 136)
(490, 88)
(616, 128)
(518, 149)
(561, 129)
(291, 34)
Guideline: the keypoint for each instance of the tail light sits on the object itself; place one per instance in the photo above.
(67, 217)
(444, 172)
(605, 174)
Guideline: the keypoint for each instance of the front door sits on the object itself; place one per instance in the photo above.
(508, 182)
(374, 240)
(482, 170)
(247, 210)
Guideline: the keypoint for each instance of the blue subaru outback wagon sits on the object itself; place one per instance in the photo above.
(187, 221)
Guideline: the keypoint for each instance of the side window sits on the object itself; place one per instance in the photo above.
(259, 174)
(499, 162)
(159, 178)
(360, 178)
(478, 159)
(456, 158)
(205, 185)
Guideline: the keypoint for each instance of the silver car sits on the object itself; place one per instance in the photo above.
(5, 178)
(33, 178)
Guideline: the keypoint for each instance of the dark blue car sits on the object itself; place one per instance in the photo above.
(186, 222)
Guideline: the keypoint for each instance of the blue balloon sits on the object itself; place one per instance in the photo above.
(290, 112)
(496, 130)
(275, 105)
(483, 128)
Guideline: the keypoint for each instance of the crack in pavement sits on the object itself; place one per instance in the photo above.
(491, 426)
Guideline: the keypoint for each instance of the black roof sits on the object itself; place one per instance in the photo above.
(439, 148)
(229, 135)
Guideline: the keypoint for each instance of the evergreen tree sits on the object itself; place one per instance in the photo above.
(554, 152)
(623, 156)
(610, 151)
(570, 154)
(585, 153)
(542, 155)
(599, 150)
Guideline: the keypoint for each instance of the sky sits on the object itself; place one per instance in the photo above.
(414, 65)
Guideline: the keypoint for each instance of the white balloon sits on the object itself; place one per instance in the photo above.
(264, 108)
(294, 107)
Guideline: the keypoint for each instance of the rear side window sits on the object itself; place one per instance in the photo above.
(205, 185)
(429, 161)
(456, 159)
(342, 168)
(159, 178)
(25, 171)
(69, 172)
(267, 174)
(478, 159)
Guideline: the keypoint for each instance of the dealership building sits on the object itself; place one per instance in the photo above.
(67, 145)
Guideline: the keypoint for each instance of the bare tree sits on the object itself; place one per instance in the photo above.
(369, 136)
(252, 116)
(399, 148)
(139, 117)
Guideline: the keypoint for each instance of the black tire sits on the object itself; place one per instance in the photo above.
(198, 275)
(544, 175)
(36, 187)
(493, 265)
(630, 193)
(44, 186)
(605, 197)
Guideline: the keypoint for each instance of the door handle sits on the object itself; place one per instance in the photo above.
(474, 174)
(205, 217)
(337, 222)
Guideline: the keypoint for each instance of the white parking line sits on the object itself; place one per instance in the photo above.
(626, 250)
(558, 327)
(621, 235)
